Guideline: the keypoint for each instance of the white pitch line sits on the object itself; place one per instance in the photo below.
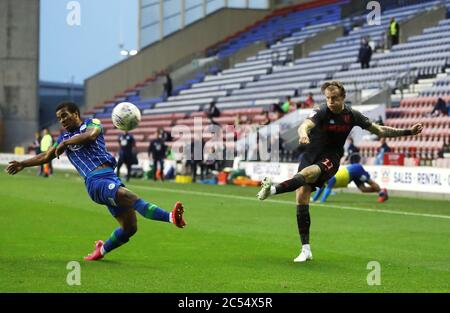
(290, 202)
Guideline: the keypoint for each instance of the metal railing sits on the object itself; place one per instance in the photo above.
(405, 80)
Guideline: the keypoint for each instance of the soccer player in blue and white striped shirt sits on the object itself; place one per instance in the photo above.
(85, 147)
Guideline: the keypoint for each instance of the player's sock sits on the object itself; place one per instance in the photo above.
(118, 238)
(318, 193)
(328, 189)
(303, 222)
(151, 211)
(291, 184)
(326, 193)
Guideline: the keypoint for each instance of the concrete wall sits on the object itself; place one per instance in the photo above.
(423, 20)
(161, 55)
(315, 43)
(19, 49)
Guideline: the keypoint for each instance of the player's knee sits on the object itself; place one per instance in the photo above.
(133, 230)
(130, 230)
(311, 173)
(302, 201)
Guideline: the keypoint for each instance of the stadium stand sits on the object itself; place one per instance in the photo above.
(226, 87)
(250, 87)
(427, 55)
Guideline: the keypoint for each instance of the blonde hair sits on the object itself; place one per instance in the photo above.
(334, 84)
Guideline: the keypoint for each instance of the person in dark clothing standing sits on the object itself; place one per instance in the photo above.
(196, 157)
(157, 152)
(212, 112)
(165, 135)
(365, 53)
(126, 143)
(167, 87)
(36, 146)
(324, 133)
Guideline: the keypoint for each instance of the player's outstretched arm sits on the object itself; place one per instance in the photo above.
(374, 187)
(386, 131)
(303, 131)
(15, 167)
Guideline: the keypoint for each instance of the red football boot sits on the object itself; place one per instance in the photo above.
(383, 195)
(97, 254)
(177, 215)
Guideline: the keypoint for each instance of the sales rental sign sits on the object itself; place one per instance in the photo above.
(420, 179)
(423, 179)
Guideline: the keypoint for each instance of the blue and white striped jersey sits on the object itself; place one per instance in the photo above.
(87, 157)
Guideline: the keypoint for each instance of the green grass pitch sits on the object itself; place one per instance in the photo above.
(233, 242)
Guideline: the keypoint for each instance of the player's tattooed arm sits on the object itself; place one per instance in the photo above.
(386, 131)
(303, 131)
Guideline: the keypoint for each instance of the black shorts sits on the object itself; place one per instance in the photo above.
(327, 161)
(126, 158)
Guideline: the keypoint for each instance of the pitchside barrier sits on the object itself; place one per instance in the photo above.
(422, 179)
